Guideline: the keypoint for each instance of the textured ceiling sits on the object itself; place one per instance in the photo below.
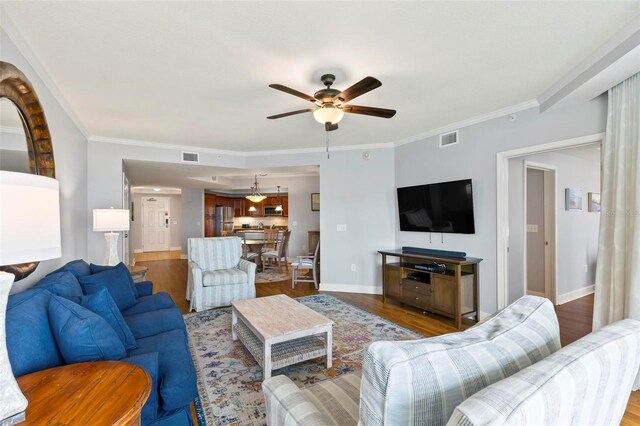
(196, 73)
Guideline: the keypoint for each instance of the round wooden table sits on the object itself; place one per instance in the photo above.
(138, 272)
(88, 393)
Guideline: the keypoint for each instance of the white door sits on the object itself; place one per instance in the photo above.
(155, 224)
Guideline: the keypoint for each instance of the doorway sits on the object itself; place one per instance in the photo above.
(155, 224)
(539, 209)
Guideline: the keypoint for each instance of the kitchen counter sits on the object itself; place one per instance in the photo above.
(254, 230)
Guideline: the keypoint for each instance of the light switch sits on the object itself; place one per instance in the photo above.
(342, 227)
(532, 227)
(295, 223)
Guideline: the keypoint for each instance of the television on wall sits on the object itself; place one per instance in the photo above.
(437, 207)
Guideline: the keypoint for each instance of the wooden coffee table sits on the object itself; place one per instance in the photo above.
(278, 331)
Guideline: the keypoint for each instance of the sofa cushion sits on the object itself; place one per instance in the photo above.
(422, 381)
(77, 267)
(176, 370)
(147, 324)
(154, 302)
(102, 303)
(30, 341)
(96, 269)
(585, 383)
(62, 283)
(149, 362)
(212, 254)
(115, 281)
(337, 399)
(81, 335)
(224, 277)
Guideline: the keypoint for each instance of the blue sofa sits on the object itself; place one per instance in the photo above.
(160, 346)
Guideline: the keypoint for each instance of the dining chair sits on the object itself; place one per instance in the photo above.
(246, 250)
(278, 256)
(270, 240)
(311, 263)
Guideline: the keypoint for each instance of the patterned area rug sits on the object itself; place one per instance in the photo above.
(229, 380)
(272, 276)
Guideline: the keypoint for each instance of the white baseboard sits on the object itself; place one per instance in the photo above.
(351, 288)
(535, 293)
(575, 294)
(484, 315)
(138, 251)
(184, 256)
(175, 248)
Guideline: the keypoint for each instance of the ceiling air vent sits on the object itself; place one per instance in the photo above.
(190, 157)
(450, 138)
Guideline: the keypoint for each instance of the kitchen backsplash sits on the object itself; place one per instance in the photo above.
(255, 221)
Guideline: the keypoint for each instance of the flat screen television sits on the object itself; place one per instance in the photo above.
(437, 207)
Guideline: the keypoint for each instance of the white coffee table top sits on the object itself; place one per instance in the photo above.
(278, 315)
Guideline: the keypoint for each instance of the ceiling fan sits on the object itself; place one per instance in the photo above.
(331, 104)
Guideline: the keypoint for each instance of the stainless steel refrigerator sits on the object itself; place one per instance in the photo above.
(224, 221)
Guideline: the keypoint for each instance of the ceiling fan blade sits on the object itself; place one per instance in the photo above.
(365, 85)
(364, 110)
(329, 127)
(293, 92)
(286, 114)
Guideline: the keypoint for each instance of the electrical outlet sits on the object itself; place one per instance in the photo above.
(354, 268)
(342, 227)
(586, 267)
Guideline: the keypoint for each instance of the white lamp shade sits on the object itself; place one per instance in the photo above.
(106, 220)
(328, 114)
(29, 218)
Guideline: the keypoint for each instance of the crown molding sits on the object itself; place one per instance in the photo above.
(532, 103)
(14, 34)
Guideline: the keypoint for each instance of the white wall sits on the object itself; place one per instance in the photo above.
(192, 210)
(475, 157)
(70, 154)
(577, 242)
(175, 225)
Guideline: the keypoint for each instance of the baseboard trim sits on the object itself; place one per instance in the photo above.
(484, 315)
(175, 248)
(535, 293)
(138, 251)
(351, 288)
(575, 294)
(184, 257)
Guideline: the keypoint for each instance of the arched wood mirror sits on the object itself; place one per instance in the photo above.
(25, 142)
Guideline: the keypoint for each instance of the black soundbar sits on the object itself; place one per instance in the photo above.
(434, 252)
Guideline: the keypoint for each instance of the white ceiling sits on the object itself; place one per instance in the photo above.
(172, 175)
(196, 73)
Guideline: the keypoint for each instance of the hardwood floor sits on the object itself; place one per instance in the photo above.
(574, 317)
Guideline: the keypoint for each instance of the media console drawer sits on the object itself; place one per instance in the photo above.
(416, 287)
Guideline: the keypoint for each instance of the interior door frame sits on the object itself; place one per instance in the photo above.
(126, 204)
(550, 229)
(502, 203)
(144, 215)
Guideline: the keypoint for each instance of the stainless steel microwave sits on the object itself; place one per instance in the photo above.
(271, 211)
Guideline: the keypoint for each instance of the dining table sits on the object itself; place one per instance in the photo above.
(255, 241)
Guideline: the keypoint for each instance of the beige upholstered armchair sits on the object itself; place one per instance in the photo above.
(217, 273)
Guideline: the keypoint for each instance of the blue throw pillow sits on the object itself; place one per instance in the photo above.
(77, 267)
(82, 336)
(102, 303)
(121, 267)
(115, 281)
(63, 284)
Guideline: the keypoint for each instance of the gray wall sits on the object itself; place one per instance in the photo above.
(192, 211)
(70, 153)
(475, 157)
(175, 226)
(577, 242)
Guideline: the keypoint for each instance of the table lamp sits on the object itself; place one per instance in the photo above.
(112, 221)
(29, 232)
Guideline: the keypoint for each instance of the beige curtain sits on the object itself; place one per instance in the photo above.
(617, 289)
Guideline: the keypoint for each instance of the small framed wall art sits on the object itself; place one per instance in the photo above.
(594, 201)
(573, 199)
(315, 202)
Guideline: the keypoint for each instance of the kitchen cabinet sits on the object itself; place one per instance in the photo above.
(238, 207)
(259, 209)
(209, 215)
(285, 206)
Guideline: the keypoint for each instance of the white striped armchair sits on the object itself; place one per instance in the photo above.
(217, 273)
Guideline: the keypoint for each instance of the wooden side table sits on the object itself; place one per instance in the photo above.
(88, 393)
(138, 272)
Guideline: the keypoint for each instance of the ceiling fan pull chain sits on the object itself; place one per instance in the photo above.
(327, 142)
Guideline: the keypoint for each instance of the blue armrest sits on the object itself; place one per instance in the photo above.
(149, 362)
(145, 288)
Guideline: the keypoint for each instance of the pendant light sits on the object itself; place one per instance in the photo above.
(252, 208)
(255, 196)
(279, 206)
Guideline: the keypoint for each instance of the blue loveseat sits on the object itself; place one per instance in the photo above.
(159, 342)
